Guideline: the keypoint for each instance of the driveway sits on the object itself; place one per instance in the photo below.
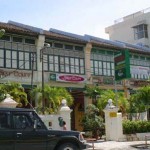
(113, 145)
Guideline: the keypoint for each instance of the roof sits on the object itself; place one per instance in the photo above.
(16, 29)
(55, 34)
(66, 36)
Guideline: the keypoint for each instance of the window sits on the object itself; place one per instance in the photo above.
(58, 45)
(5, 38)
(51, 63)
(65, 58)
(11, 59)
(17, 59)
(24, 60)
(140, 31)
(62, 67)
(56, 64)
(69, 47)
(79, 48)
(4, 121)
(66, 64)
(30, 41)
(102, 64)
(138, 60)
(21, 121)
(45, 60)
(1, 58)
(17, 39)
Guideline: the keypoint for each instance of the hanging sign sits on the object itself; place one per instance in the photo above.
(122, 65)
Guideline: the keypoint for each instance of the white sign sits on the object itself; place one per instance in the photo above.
(140, 70)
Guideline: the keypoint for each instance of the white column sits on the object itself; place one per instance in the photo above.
(65, 114)
(113, 123)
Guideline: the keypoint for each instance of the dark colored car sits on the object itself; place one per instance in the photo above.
(23, 129)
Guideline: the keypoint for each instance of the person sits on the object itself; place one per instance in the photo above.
(64, 125)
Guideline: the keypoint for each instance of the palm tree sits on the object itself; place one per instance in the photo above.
(93, 93)
(15, 90)
(140, 101)
(52, 98)
(121, 101)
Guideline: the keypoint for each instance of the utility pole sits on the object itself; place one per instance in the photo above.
(32, 61)
(46, 45)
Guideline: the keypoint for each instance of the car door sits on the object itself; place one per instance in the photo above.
(26, 137)
(6, 132)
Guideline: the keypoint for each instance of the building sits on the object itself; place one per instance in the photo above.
(133, 29)
(72, 61)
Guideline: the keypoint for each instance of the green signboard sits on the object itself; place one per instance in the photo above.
(52, 77)
(122, 65)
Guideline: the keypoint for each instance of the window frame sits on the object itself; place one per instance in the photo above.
(140, 31)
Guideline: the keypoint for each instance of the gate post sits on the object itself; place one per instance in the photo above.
(113, 122)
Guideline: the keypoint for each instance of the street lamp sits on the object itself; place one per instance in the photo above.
(46, 45)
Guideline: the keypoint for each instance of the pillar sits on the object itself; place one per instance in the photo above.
(40, 44)
(113, 123)
(65, 112)
(87, 52)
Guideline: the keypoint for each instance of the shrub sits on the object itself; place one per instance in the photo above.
(92, 121)
(131, 127)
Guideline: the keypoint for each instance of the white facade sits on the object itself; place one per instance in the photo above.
(133, 29)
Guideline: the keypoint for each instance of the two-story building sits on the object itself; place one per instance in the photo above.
(72, 61)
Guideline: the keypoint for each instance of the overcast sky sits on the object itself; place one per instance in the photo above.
(75, 16)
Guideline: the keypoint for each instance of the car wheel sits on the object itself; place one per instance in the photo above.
(67, 146)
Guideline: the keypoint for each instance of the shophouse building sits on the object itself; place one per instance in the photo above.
(72, 61)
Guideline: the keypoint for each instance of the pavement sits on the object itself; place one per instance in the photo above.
(113, 145)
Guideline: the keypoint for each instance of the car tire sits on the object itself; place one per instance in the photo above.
(68, 146)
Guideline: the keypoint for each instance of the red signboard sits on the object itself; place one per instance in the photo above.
(71, 78)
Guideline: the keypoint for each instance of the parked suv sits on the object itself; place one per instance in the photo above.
(22, 129)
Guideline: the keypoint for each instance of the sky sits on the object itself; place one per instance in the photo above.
(75, 16)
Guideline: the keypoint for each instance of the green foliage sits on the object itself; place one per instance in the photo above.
(15, 90)
(103, 99)
(131, 127)
(91, 120)
(121, 101)
(140, 101)
(92, 92)
(52, 98)
(2, 32)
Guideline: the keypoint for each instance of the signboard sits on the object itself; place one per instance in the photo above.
(52, 77)
(67, 78)
(140, 83)
(122, 65)
(103, 80)
(15, 75)
(113, 114)
(140, 70)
